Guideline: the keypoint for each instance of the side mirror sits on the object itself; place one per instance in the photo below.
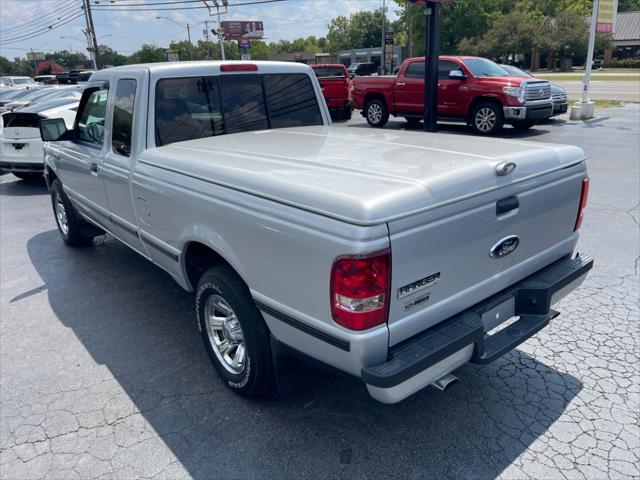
(457, 75)
(54, 129)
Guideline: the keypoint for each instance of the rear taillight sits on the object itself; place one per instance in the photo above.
(239, 67)
(360, 290)
(583, 203)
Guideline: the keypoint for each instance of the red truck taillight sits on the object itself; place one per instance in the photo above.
(359, 289)
(583, 203)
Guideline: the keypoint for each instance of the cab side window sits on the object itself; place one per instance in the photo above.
(91, 122)
(445, 67)
(415, 70)
(123, 116)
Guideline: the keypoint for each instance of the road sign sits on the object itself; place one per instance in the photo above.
(173, 57)
(606, 16)
(235, 30)
(34, 56)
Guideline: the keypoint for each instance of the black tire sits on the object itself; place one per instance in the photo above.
(28, 176)
(523, 125)
(376, 113)
(75, 235)
(486, 118)
(413, 122)
(346, 113)
(255, 376)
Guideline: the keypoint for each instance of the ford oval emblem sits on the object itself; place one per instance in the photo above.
(505, 168)
(504, 247)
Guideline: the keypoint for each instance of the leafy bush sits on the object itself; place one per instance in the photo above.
(631, 62)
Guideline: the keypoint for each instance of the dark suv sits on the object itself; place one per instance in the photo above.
(359, 69)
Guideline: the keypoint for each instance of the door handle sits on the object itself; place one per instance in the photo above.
(400, 84)
(94, 168)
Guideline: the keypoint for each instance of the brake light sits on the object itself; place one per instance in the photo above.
(359, 289)
(583, 203)
(239, 67)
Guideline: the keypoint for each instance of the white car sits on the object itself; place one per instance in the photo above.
(43, 94)
(21, 150)
(13, 81)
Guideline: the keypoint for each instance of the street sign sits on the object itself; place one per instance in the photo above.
(34, 56)
(235, 30)
(606, 16)
(173, 57)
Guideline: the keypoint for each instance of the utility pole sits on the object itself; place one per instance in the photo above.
(383, 63)
(91, 34)
(432, 52)
(189, 33)
(410, 28)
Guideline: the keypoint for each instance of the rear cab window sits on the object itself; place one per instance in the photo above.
(188, 108)
(322, 72)
(122, 126)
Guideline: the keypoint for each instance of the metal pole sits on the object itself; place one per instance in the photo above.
(432, 51)
(92, 31)
(189, 32)
(220, 34)
(586, 81)
(383, 63)
(410, 19)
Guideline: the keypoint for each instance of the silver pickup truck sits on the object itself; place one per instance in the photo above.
(393, 256)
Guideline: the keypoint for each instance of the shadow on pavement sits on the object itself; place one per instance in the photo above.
(133, 319)
(23, 188)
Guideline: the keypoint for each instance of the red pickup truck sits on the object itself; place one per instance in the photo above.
(336, 83)
(470, 89)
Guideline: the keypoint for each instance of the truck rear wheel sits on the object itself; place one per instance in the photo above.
(487, 118)
(68, 222)
(377, 113)
(234, 333)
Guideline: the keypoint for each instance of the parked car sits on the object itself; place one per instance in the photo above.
(43, 94)
(470, 89)
(15, 81)
(388, 257)
(46, 79)
(13, 94)
(558, 94)
(362, 69)
(336, 85)
(21, 150)
(63, 78)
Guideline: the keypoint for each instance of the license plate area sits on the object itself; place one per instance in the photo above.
(499, 313)
(19, 146)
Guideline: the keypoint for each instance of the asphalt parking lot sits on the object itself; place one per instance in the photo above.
(103, 374)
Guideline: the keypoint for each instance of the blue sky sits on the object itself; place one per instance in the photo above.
(125, 31)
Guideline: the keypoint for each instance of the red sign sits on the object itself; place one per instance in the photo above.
(242, 30)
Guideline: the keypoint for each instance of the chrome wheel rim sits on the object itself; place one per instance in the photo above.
(225, 334)
(485, 119)
(374, 113)
(61, 214)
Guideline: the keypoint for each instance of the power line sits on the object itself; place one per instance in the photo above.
(41, 28)
(124, 7)
(20, 22)
(42, 22)
(42, 32)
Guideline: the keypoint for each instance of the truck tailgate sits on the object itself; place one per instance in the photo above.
(450, 258)
(335, 88)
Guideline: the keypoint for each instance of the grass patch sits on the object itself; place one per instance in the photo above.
(599, 103)
(594, 76)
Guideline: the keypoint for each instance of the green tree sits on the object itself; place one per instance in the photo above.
(565, 35)
(67, 59)
(360, 30)
(628, 5)
(148, 54)
(109, 57)
(511, 34)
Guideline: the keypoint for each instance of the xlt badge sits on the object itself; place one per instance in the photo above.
(418, 285)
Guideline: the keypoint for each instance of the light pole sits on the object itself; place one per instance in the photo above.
(187, 26)
(218, 4)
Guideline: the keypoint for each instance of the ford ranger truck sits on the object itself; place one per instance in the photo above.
(336, 85)
(388, 255)
(470, 89)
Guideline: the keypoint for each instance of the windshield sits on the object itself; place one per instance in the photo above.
(481, 67)
(22, 81)
(14, 94)
(329, 71)
(515, 71)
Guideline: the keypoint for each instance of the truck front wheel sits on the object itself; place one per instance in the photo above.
(487, 118)
(68, 222)
(234, 332)
(377, 113)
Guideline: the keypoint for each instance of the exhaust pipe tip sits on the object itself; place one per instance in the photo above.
(444, 381)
